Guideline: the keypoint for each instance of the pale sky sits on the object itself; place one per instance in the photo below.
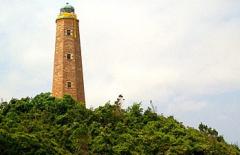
(182, 55)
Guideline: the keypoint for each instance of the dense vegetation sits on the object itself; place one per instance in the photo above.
(45, 125)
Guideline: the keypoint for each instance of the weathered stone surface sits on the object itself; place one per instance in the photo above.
(65, 69)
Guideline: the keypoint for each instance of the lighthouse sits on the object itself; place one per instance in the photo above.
(68, 70)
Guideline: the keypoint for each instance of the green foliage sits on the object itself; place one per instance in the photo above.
(46, 125)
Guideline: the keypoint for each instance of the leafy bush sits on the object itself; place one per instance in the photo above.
(46, 125)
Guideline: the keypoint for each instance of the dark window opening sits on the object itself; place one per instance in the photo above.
(69, 56)
(68, 32)
(69, 84)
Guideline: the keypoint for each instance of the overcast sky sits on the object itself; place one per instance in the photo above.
(183, 55)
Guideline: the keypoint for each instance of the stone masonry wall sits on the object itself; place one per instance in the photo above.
(68, 70)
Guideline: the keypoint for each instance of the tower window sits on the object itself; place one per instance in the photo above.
(69, 56)
(68, 32)
(69, 84)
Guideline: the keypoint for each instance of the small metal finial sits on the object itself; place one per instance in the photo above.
(67, 3)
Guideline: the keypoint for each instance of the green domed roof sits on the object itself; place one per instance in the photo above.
(67, 8)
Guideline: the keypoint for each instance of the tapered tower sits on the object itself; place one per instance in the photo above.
(68, 71)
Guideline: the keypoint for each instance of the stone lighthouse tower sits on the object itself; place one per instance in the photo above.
(68, 71)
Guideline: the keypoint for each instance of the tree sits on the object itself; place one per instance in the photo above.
(47, 125)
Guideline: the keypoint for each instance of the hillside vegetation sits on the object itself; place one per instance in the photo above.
(45, 125)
